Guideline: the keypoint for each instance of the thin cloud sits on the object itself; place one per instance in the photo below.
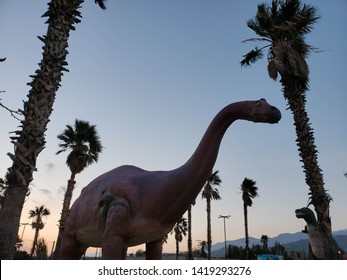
(50, 166)
(45, 192)
(61, 190)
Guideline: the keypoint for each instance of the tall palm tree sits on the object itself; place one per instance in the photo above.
(85, 146)
(209, 192)
(29, 140)
(180, 230)
(283, 27)
(37, 223)
(249, 191)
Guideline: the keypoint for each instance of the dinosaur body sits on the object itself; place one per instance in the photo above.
(129, 206)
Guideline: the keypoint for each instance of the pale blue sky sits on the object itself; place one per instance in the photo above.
(151, 75)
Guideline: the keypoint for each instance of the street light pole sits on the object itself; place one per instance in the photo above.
(225, 233)
(23, 224)
(20, 242)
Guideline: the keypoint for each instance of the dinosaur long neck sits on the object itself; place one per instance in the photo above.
(310, 219)
(188, 180)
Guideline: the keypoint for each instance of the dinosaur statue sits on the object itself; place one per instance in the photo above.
(316, 250)
(129, 206)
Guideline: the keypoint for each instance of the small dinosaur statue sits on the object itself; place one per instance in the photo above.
(316, 249)
(129, 206)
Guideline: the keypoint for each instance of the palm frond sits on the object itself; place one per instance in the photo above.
(251, 57)
(101, 4)
(210, 192)
(295, 20)
(215, 194)
(259, 39)
(262, 23)
(284, 20)
(272, 70)
(249, 191)
(83, 141)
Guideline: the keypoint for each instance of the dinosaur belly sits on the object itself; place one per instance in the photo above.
(90, 237)
(141, 231)
(316, 242)
(144, 231)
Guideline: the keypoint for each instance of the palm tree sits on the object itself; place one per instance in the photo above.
(85, 145)
(283, 27)
(29, 140)
(203, 244)
(180, 230)
(265, 240)
(37, 223)
(209, 192)
(249, 191)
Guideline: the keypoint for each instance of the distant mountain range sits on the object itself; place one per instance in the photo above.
(290, 241)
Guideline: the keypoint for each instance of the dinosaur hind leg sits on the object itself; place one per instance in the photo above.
(154, 250)
(71, 249)
(124, 253)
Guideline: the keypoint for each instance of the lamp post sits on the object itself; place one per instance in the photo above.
(23, 224)
(225, 234)
(20, 243)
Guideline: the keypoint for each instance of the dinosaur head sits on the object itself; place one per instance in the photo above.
(306, 214)
(262, 111)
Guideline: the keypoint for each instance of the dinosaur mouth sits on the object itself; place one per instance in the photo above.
(274, 117)
(299, 214)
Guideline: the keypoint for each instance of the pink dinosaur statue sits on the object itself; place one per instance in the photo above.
(129, 206)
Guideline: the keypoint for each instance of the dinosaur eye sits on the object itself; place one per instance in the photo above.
(258, 103)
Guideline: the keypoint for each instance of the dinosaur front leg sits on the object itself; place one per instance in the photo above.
(113, 248)
(154, 250)
(117, 216)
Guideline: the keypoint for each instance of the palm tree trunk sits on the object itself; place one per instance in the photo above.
(35, 241)
(64, 213)
(209, 234)
(190, 249)
(10, 214)
(293, 92)
(245, 213)
(30, 140)
(67, 200)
